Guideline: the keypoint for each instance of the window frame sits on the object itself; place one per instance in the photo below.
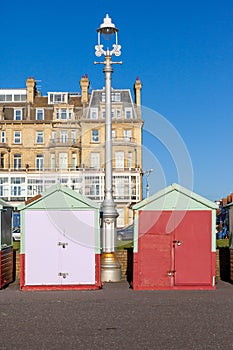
(3, 136)
(95, 138)
(39, 137)
(38, 111)
(95, 160)
(17, 137)
(15, 114)
(128, 110)
(17, 161)
(39, 161)
(94, 111)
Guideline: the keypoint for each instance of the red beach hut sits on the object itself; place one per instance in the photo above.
(174, 241)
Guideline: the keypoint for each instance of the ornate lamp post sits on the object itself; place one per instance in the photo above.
(110, 267)
(147, 173)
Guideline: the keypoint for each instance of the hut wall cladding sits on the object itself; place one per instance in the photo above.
(6, 266)
(126, 260)
(231, 265)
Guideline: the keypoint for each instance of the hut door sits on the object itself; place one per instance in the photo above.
(59, 247)
(192, 247)
(155, 242)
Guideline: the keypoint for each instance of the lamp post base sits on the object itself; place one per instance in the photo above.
(110, 268)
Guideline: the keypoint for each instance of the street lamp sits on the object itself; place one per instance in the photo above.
(110, 267)
(147, 173)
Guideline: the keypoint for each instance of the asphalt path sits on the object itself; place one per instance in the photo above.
(116, 317)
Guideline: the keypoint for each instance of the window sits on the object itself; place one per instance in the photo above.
(118, 113)
(130, 159)
(57, 97)
(103, 113)
(95, 136)
(95, 160)
(128, 113)
(63, 161)
(4, 187)
(1, 160)
(39, 114)
(70, 113)
(13, 96)
(112, 113)
(127, 135)
(54, 136)
(3, 137)
(17, 161)
(73, 135)
(63, 113)
(53, 161)
(64, 136)
(113, 134)
(74, 161)
(17, 187)
(39, 162)
(103, 98)
(119, 160)
(17, 137)
(116, 97)
(94, 113)
(18, 114)
(39, 137)
(121, 186)
(92, 186)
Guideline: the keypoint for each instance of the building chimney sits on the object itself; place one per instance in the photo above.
(31, 89)
(137, 92)
(84, 84)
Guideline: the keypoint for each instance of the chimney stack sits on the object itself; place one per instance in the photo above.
(31, 89)
(84, 84)
(137, 92)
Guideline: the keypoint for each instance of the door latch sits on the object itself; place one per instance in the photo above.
(63, 244)
(63, 274)
(177, 242)
(171, 273)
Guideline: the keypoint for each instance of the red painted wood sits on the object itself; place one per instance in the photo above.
(61, 287)
(22, 270)
(193, 258)
(192, 263)
(154, 245)
(6, 266)
(97, 271)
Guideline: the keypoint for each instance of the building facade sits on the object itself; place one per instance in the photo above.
(59, 138)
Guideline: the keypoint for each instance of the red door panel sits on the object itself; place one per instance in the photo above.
(193, 255)
(154, 245)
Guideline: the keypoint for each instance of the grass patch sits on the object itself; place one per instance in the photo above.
(16, 245)
(222, 243)
(124, 244)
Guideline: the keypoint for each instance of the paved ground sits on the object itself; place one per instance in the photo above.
(116, 317)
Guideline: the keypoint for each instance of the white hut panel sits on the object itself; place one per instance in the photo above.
(59, 247)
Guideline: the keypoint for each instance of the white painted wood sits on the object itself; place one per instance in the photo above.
(45, 258)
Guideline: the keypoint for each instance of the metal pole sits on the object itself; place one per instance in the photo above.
(110, 267)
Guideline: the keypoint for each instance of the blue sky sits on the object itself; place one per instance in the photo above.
(181, 51)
